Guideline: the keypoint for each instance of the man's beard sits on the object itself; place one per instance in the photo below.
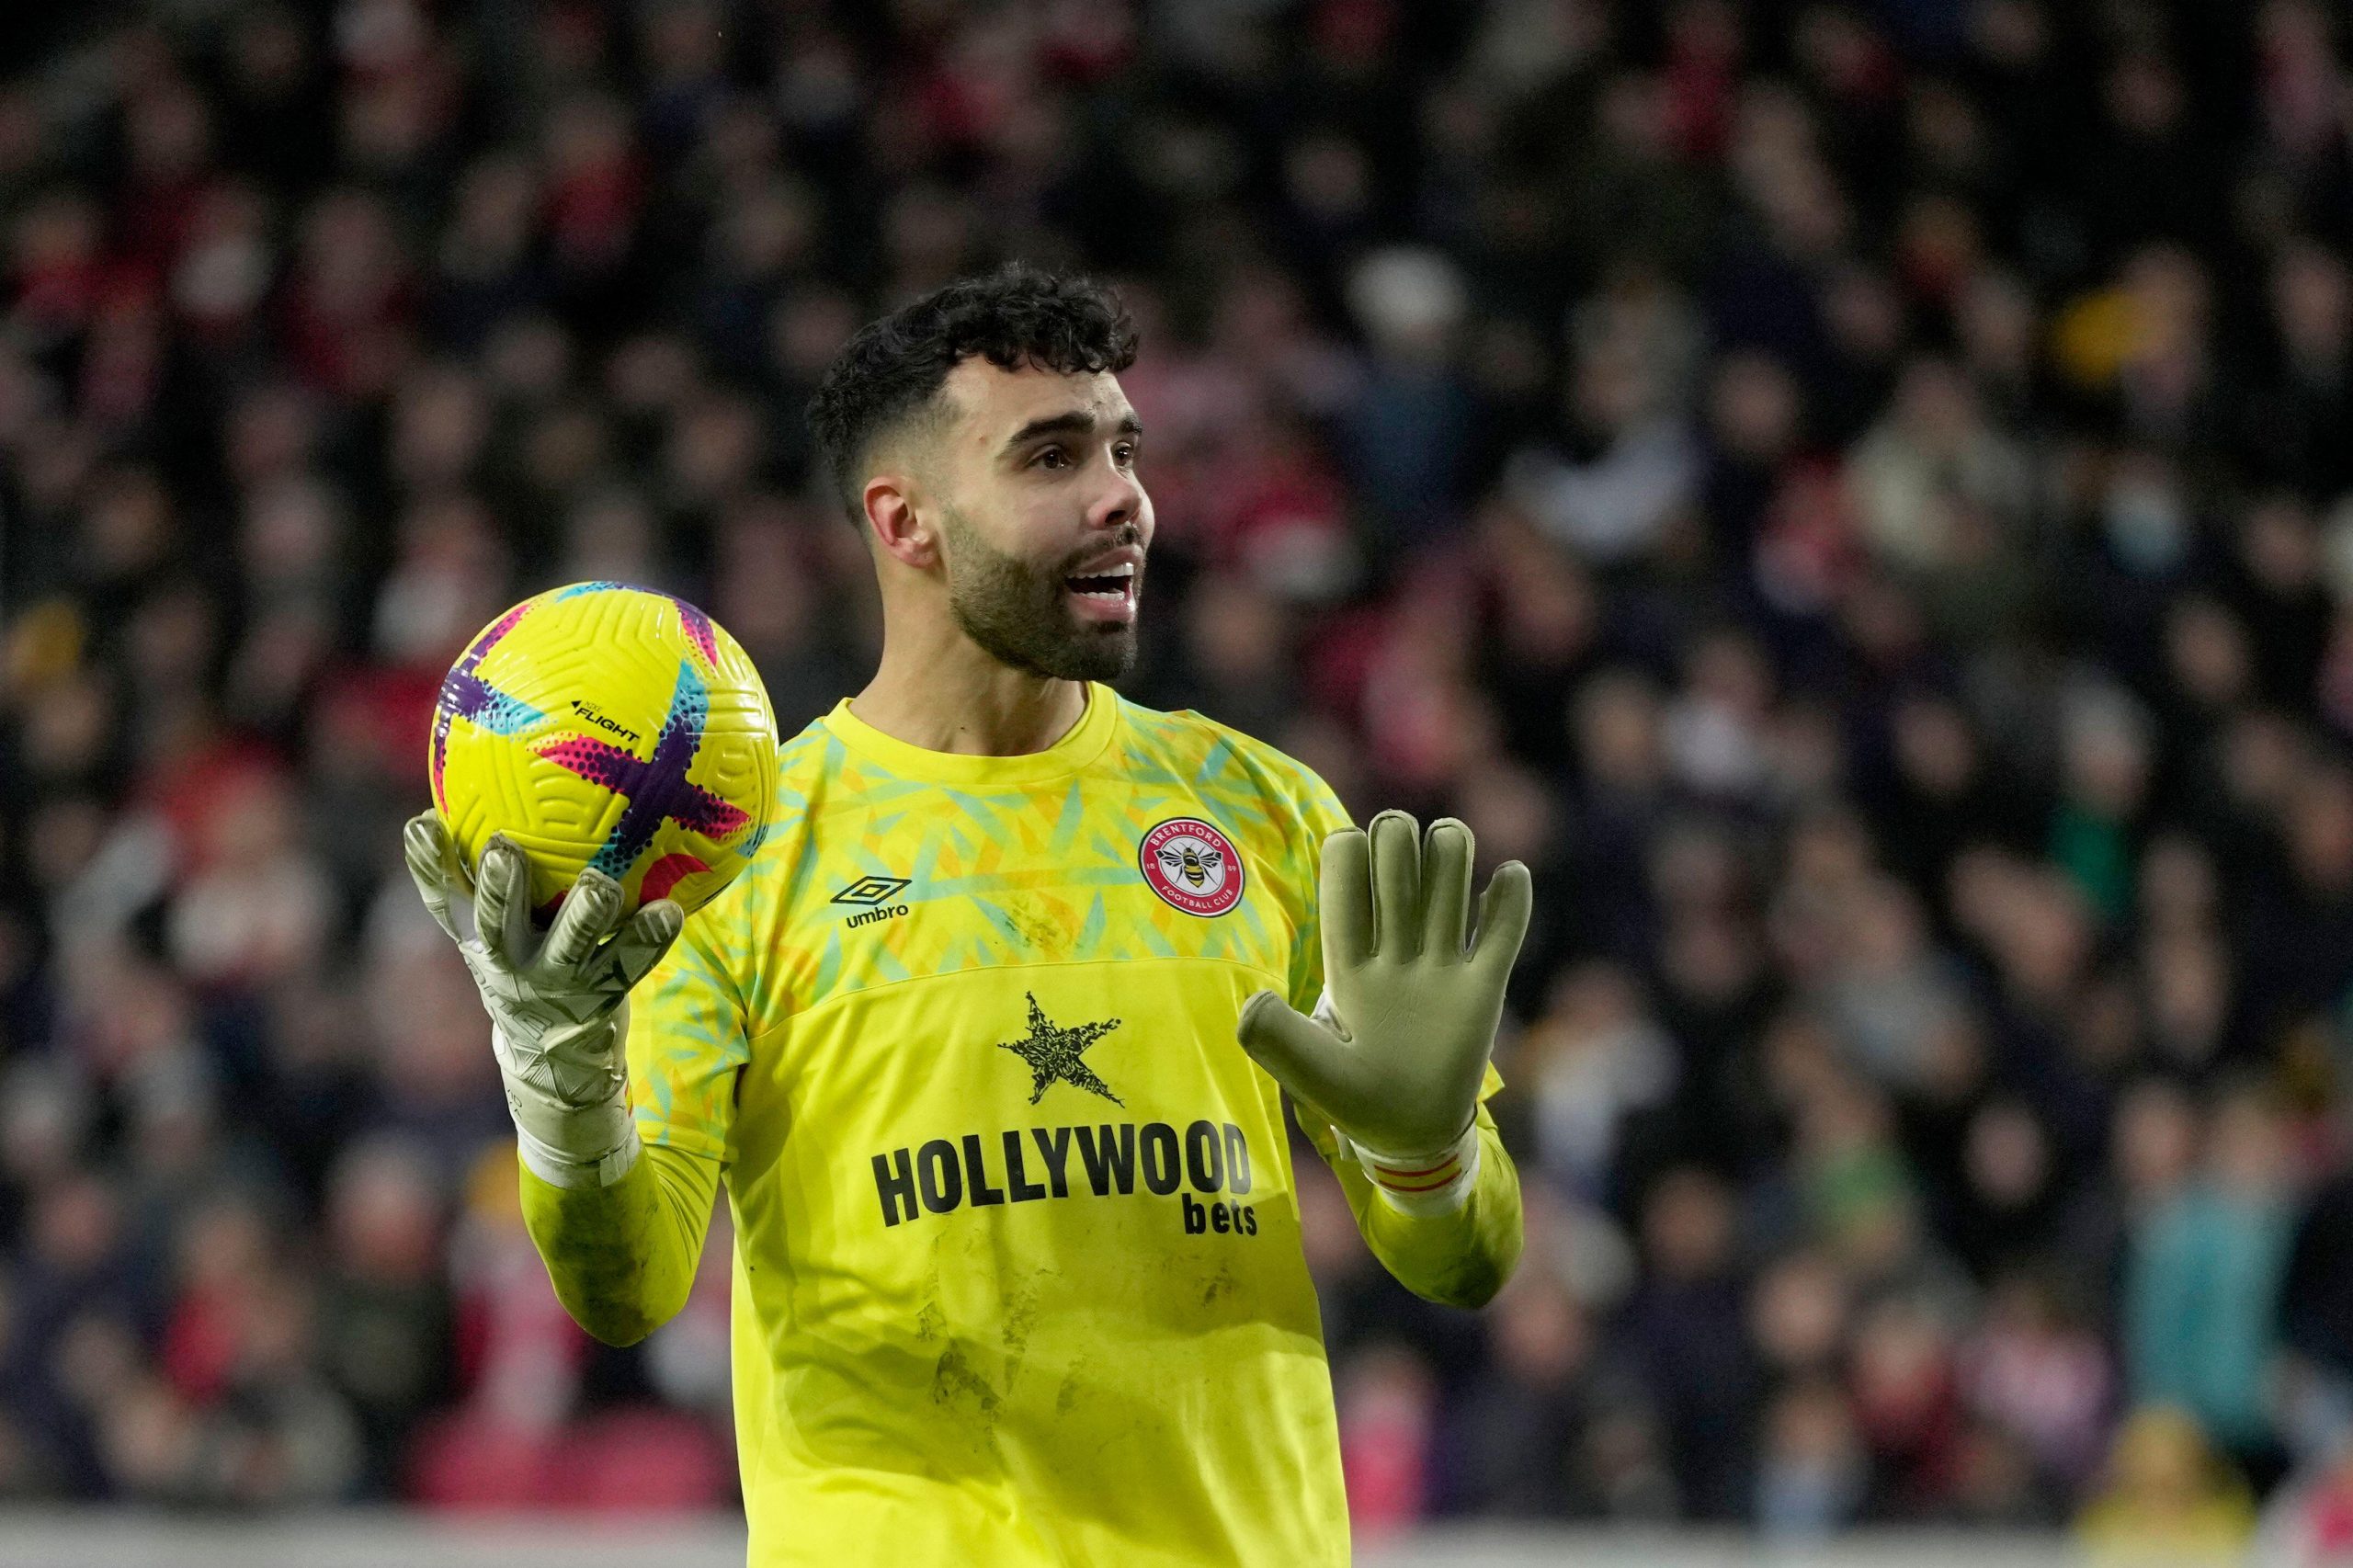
(1020, 616)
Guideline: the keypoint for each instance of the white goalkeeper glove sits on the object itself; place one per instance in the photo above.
(1398, 1048)
(557, 1004)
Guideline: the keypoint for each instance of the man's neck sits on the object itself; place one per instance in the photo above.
(960, 699)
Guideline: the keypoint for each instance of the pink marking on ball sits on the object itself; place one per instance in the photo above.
(699, 629)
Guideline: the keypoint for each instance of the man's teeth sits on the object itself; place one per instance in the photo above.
(1118, 576)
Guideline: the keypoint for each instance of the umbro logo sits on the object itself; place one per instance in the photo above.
(869, 891)
(871, 897)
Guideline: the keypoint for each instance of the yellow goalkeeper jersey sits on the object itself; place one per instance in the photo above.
(1017, 1267)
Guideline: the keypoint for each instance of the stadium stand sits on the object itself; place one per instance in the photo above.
(1859, 496)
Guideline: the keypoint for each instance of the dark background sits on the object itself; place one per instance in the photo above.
(1854, 495)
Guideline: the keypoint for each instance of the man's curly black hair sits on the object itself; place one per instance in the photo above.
(1018, 315)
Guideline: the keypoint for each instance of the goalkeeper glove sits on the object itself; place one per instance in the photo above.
(557, 1004)
(1397, 1050)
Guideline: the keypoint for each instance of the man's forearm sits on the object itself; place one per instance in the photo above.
(622, 1257)
(1459, 1257)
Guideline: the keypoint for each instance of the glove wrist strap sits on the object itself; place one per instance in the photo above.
(557, 1168)
(565, 1144)
(1436, 1183)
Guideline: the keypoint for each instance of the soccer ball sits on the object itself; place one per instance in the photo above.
(611, 726)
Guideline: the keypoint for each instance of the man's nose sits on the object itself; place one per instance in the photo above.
(1121, 501)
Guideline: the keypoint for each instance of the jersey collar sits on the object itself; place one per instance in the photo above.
(1080, 744)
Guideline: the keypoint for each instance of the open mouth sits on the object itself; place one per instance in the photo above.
(1110, 593)
(1108, 585)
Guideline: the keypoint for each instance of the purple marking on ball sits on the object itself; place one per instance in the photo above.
(465, 695)
(698, 627)
(657, 788)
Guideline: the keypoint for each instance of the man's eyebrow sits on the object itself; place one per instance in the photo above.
(1077, 422)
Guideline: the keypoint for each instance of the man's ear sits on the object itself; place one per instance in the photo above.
(895, 520)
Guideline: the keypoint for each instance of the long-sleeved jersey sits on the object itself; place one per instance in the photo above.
(1017, 1276)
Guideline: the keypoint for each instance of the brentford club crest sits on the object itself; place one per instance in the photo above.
(1192, 865)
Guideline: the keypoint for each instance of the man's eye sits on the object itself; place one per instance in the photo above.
(1052, 456)
(1126, 453)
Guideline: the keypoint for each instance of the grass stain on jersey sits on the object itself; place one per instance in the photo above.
(957, 1386)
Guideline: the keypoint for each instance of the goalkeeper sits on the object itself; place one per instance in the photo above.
(984, 1046)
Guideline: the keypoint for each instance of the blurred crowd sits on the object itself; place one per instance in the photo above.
(1859, 495)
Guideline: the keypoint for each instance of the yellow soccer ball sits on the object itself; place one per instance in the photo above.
(609, 726)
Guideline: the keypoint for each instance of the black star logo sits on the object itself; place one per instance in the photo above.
(1053, 1054)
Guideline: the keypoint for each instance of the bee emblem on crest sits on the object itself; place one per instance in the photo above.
(1192, 865)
